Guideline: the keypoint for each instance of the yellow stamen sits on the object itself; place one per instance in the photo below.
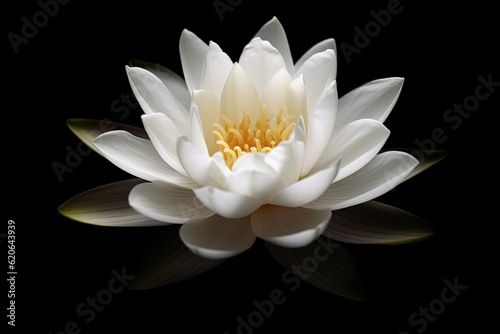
(236, 141)
(237, 134)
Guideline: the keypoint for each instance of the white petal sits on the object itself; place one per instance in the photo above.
(308, 189)
(138, 157)
(274, 95)
(218, 65)
(320, 128)
(381, 174)
(273, 32)
(239, 94)
(263, 186)
(200, 167)
(208, 107)
(252, 176)
(317, 48)
(170, 79)
(164, 134)
(218, 237)
(357, 143)
(192, 51)
(317, 71)
(167, 203)
(252, 162)
(287, 158)
(261, 61)
(197, 136)
(426, 159)
(289, 227)
(374, 99)
(155, 97)
(225, 203)
(296, 100)
(89, 129)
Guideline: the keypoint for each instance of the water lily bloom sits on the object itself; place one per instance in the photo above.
(261, 147)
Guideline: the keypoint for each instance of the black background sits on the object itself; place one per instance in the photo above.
(74, 68)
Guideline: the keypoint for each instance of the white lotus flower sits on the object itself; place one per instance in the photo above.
(261, 147)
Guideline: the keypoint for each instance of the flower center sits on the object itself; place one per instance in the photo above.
(235, 141)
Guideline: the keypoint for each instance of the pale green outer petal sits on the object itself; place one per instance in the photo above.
(287, 158)
(208, 107)
(319, 47)
(225, 203)
(218, 237)
(317, 72)
(426, 159)
(167, 203)
(201, 168)
(308, 189)
(89, 129)
(155, 97)
(374, 99)
(289, 227)
(274, 95)
(239, 94)
(384, 172)
(320, 128)
(218, 65)
(107, 206)
(170, 79)
(164, 134)
(377, 223)
(357, 143)
(273, 32)
(192, 51)
(138, 157)
(261, 61)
